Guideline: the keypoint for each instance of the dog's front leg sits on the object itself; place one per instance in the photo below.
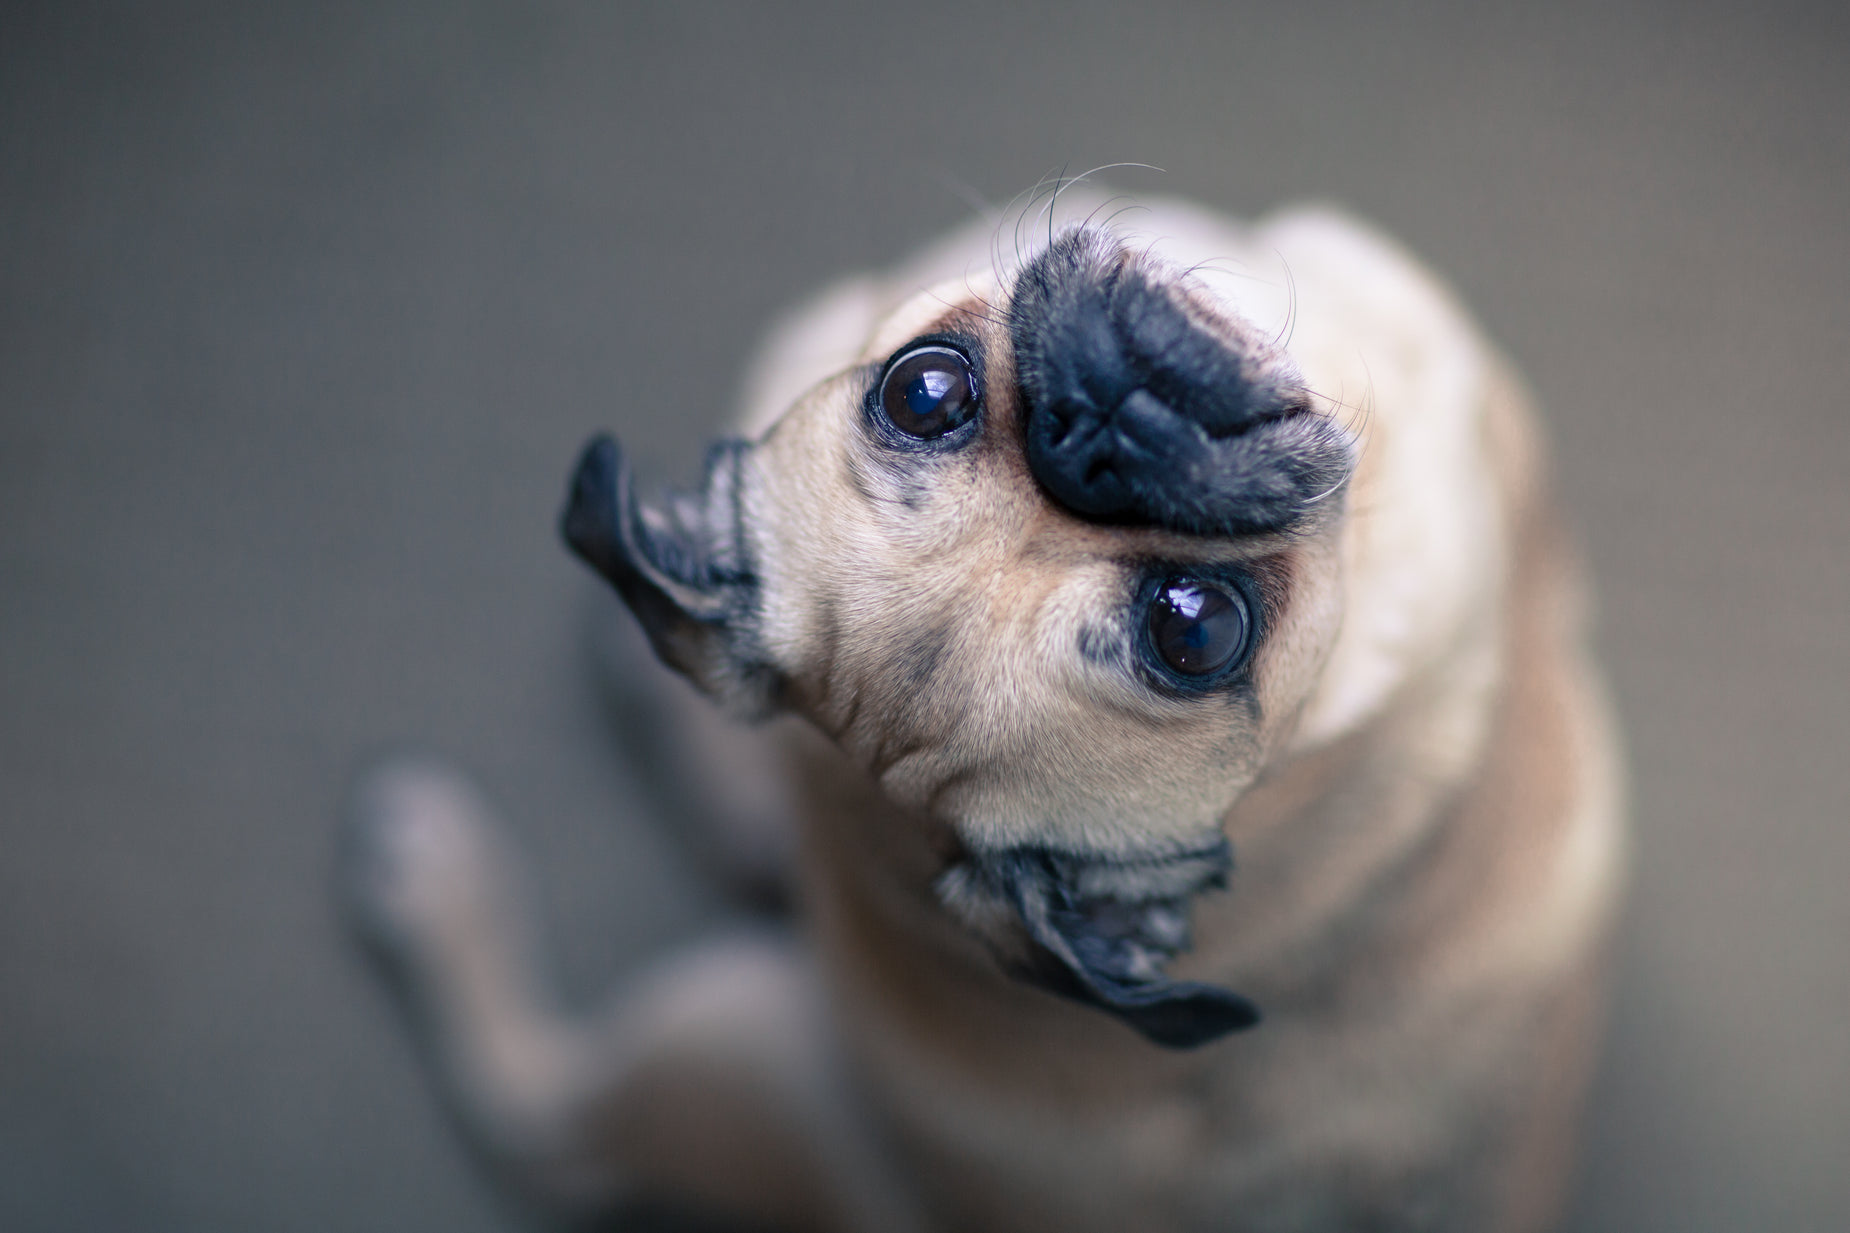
(711, 1084)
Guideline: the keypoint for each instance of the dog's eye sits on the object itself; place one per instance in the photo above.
(928, 392)
(1196, 627)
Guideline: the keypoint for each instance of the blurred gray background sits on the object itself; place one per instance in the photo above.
(304, 310)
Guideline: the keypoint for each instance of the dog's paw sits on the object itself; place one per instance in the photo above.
(423, 863)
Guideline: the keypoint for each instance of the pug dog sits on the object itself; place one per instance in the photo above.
(1206, 815)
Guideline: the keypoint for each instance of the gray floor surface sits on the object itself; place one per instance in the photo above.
(304, 310)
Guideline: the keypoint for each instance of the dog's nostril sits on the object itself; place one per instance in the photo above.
(1078, 434)
(1064, 418)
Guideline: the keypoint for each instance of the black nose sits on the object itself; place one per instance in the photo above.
(1137, 413)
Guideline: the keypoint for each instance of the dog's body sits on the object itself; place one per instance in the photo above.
(1067, 661)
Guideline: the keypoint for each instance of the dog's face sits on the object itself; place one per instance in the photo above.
(1057, 563)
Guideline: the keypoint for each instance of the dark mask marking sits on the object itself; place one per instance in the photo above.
(1136, 414)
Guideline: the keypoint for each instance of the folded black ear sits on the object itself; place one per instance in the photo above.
(1103, 928)
(684, 571)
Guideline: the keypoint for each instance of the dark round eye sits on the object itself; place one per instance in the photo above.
(1196, 627)
(928, 392)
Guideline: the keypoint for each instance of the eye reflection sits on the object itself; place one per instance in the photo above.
(928, 392)
(1197, 628)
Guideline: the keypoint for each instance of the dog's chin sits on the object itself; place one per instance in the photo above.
(1101, 929)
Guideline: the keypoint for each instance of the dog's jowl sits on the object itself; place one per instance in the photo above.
(1213, 822)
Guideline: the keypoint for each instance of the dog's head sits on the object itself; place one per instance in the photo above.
(1057, 562)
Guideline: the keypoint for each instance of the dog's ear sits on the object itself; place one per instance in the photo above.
(683, 570)
(1101, 929)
